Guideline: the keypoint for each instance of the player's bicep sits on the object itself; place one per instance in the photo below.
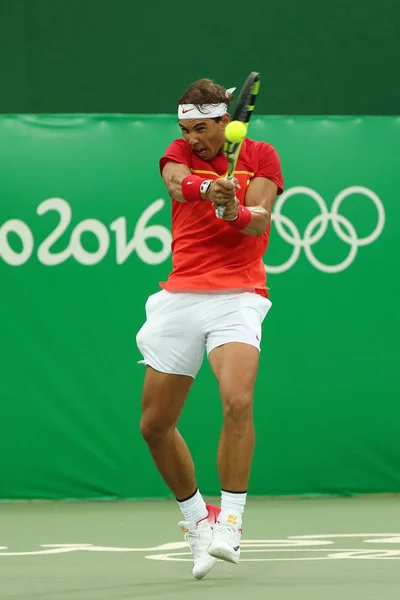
(261, 192)
(173, 173)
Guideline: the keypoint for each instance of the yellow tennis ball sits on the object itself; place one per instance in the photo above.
(235, 131)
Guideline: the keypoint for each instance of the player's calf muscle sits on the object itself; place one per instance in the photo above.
(173, 461)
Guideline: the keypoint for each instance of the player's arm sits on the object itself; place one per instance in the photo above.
(260, 197)
(175, 175)
(253, 218)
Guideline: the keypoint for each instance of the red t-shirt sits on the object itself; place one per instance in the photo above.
(207, 253)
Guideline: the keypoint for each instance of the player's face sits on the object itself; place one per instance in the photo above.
(205, 136)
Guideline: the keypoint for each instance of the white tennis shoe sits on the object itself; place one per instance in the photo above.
(227, 533)
(199, 539)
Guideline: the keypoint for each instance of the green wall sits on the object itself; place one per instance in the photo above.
(84, 239)
(137, 57)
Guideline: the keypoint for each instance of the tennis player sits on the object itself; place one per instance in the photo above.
(214, 301)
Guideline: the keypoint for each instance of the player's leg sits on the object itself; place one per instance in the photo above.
(233, 347)
(172, 345)
(163, 398)
(235, 368)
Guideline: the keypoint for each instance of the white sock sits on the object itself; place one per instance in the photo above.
(194, 508)
(233, 501)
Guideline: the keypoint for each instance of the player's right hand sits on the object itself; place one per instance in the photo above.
(223, 191)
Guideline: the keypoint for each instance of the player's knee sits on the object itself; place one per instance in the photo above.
(237, 404)
(153, 431)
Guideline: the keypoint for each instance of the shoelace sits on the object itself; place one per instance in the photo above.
(230, 532)
(200, 546)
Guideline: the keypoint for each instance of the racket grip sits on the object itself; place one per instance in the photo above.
(219, 211)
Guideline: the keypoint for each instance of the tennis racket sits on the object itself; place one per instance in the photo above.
(243, 111)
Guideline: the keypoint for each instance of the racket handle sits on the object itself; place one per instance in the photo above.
(219, 211)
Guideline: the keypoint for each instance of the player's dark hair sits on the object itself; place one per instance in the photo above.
(205, 91)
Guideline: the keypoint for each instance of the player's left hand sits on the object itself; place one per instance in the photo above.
(231, 209)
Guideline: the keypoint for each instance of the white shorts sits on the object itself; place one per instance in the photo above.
(181, 327)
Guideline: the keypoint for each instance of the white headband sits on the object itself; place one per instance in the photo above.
(208, 111)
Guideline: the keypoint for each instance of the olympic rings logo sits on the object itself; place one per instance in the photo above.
(317, 227)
